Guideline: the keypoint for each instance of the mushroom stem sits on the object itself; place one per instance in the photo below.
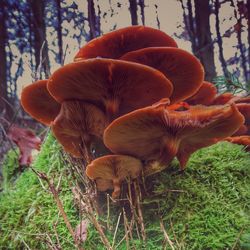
(112, 108)
(169, 150)
(117, 188)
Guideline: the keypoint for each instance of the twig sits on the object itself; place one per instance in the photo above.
(87, 206)
(236, 242)
(166, 235)
(116, 228)
(108, 212)
(140, 215)
(59, 204)
(126, 229)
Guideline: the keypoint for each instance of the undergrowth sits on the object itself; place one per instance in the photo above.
(205, 207)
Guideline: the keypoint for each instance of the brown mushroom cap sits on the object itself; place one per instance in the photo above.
(79, 124)
(117, 87)
(205, 95)
(38, 103)
(182, 68)
(160, 134)
(118, 42)
(116, 168)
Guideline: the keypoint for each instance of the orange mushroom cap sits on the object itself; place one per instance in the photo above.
(38, 103)
(119, 42)
(79, 124)
(205, 95)
(117, 87)
(116, 168)
(241, 140)
(182, 68)
(244, 109)
(161, 134)
(222, 98)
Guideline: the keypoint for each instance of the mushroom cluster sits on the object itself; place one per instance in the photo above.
(132, 101)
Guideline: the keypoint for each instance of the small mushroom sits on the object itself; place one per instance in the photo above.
(38, 103)
(182, 68)
(116, 87)
(79, 126)
(205, 95)
(115, 168)
(161, 134)
(118, 42)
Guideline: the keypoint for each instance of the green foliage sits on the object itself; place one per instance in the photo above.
(230, 83)
(205, 207)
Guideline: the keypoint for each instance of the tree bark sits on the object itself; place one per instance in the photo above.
(133, 12)
(59, 31)
(94, 29)
(219, 38)
(238, 29)
(248, 37)
(40, 43)
(142, 6)
(5, 98)
(191, 29)
(204, 50)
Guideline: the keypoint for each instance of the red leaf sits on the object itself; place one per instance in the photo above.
(26, 141)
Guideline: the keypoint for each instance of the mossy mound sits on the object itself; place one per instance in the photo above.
(205, 207)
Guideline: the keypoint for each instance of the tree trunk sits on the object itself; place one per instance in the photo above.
(5, 98)
(205, 51)
(157, 17)
(133, 12)
(94, 29)
(238, 28)
(191, 29)
(142, 6)
(219, 38)
(40, 43)
(248, 36)
(59, 32)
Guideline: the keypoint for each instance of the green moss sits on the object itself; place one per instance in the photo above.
(27, 211)
(210, 210)
(10, 169)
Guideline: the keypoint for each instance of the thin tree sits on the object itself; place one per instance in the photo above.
(59, 31)
(238, 29)
(248, 37)
(217, 6)
(142, 6)
(205, 50)
(39, 31)
(133, 12)
(94, 27)
(4, 93)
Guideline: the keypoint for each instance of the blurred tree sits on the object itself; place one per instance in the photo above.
(204, 50)
(223, 62)
(59, 31)
(40, 43)
(94, 21)
(3, 69)
(142, 6)
(133, 12)
(198, 28)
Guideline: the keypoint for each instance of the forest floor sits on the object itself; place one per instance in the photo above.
(205, 207)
